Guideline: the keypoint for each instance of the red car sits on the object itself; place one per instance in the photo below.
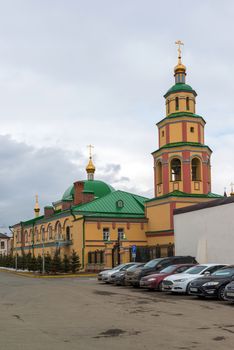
(155, 281)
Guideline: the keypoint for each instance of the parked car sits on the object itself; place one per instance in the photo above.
(155, 281)
(229, 291)
(99, 276)
(179, 283)
(153, 266)
(120, 276)
(106, 276)
(123, 270)
(213, 285)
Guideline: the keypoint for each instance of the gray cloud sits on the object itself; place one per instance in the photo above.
(77, 72)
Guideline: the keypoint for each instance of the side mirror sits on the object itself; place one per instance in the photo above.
(233, 278)
(207, 273)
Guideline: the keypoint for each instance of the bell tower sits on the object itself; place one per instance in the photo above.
(182, 161)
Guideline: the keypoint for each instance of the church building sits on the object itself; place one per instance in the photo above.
(102, 224)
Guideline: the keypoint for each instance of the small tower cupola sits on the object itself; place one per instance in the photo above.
(37, 208)
(90, 168)
(180, 69)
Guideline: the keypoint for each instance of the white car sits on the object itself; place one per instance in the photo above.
(179, 282)
(106, 275)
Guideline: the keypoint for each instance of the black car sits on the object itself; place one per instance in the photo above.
(119, 279)
(229, 291)
(133, 276)
(213, 285)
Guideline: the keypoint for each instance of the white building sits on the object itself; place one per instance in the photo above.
(206, 231)
(4, 244)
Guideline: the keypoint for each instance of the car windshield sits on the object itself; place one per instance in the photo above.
(136, 266)
(118, 267)
(126, 267)
(168, 269)
(152, 263)
(195, 270)
(224, 272)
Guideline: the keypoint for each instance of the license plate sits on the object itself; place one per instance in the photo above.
(193, 289)
(230, 294)
(166, 287)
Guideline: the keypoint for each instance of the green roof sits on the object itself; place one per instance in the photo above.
(182, 114)
(184, 194)
(180, 87)
(133, 206)
(99, 188)
(181, 144)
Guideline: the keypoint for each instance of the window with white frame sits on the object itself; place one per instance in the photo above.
(2, 245)
(121, 233)
(106, 234)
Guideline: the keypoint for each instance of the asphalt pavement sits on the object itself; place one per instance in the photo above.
(82, 314)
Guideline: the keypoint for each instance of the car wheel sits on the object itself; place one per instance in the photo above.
(187, 289)
(160, 287)
(221, 293)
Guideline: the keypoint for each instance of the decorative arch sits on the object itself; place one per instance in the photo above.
(36, 235)
(175, 169)
(159, 176)
(196, 169)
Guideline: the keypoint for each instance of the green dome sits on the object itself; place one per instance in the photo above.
(180, 87)
(99, 188)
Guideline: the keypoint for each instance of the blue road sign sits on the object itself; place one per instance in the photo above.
(134, 249)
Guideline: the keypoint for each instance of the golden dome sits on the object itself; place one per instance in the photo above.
(90, 167)
(180, 68)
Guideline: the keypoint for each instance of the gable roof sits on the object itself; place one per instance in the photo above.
(133, 206)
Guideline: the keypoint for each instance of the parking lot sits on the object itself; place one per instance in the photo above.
(80, 313)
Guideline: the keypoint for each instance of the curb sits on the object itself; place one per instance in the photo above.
(25, 274)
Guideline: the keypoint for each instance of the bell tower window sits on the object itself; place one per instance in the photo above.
(175, 169)
(177, 103)
(196, 169)
(187, 103)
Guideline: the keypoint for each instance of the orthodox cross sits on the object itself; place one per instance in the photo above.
(90, 150)
(179, 43)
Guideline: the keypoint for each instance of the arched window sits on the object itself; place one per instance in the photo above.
(26, 236)
(187, 103)
(196, 169)
(58, 231)
(177, 103)
(175, 170)
(68, 233)
(168, 106)
(36, 235)
(159, 172)
(50, 232)
(43, 233)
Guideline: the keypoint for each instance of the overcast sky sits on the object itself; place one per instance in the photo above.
(77, 72)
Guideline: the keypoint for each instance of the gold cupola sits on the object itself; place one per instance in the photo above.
(90, 168)
(180, 69)
(37, 208)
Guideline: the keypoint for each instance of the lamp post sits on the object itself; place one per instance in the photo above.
(43, 252)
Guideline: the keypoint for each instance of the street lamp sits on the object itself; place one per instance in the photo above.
(43, 251)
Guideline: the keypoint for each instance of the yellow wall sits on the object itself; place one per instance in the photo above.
(192, 136)
(158, 216)
(175, 132)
